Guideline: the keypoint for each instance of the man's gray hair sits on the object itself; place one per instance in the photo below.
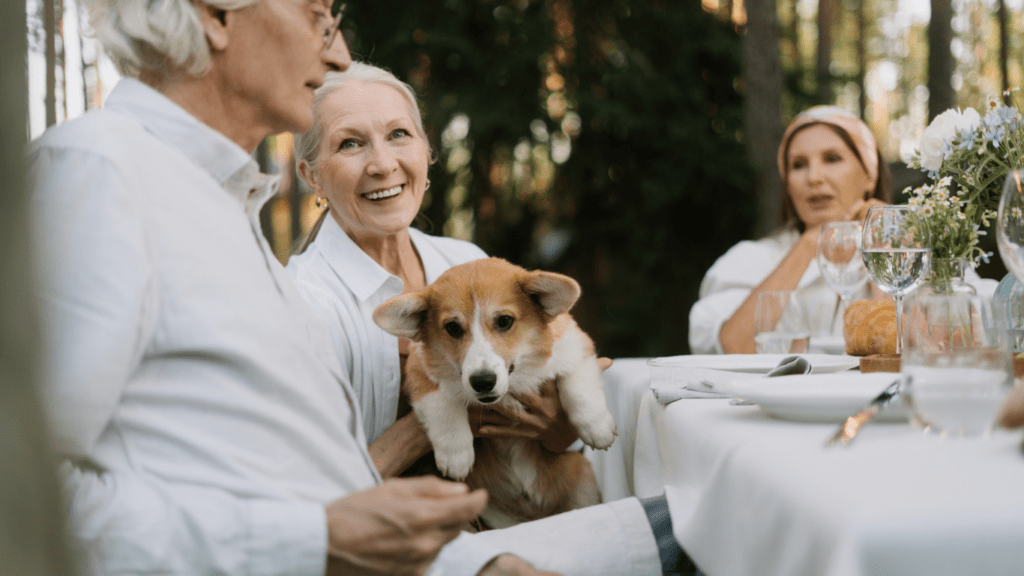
(307, 146)
(154, 34)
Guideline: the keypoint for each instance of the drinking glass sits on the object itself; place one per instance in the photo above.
(956, 364)
(896, 248)
(780, 324)
(1010, 224)
(840, 262)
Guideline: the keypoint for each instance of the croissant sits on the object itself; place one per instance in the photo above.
(869, 327)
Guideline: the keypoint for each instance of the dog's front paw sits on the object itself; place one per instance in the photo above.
(598, 432)
(456, 463)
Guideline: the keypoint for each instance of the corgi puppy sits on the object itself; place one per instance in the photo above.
(481, 332)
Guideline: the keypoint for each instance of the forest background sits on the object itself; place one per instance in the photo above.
(626, 143)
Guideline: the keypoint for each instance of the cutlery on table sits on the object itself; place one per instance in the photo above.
(788, 366)
(853, 424)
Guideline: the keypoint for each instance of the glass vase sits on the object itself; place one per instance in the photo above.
(946, 278)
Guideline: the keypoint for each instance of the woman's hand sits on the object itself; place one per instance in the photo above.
(543, 419)
(859, 210)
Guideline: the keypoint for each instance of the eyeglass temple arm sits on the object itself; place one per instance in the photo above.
(336, 7)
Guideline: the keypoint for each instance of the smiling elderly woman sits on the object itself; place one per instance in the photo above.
(831, 170)
(367, 158)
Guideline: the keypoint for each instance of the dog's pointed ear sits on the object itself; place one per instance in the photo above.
(554, 292)
(402, 315)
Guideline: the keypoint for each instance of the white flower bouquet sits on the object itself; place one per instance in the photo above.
(967, 157)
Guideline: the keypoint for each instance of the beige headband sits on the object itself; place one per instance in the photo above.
(859, 132)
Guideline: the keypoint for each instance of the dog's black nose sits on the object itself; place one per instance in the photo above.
(482, 381)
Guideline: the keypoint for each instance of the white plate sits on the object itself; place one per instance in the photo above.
(754, 363)
(817, 397)
(827, 344)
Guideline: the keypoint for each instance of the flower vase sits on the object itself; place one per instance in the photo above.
(946, 278)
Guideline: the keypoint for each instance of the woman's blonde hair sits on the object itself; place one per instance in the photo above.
(154, 35)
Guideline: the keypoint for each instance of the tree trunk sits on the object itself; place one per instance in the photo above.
(794, 33)
(50, 30)
(1004, 52)
(824, 62)
(762, 79)
(940, 60)
(62, 58)
(31, 518)
(862, 32)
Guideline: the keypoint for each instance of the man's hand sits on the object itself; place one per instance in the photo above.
(509, 565)
(398, 527)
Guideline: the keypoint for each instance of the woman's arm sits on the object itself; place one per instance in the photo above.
(399, 446)
(737, 334)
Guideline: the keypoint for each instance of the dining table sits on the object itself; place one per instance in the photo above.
(752, 494)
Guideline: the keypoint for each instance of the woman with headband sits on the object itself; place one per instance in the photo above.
(831, 170)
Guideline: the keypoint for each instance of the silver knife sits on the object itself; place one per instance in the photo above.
(853, 424)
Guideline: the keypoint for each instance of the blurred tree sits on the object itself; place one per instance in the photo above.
(823, 66)
(600, 138)
(941, 96)
(762, 78)
(31, 515)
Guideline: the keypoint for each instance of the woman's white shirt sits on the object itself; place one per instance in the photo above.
(344, 285)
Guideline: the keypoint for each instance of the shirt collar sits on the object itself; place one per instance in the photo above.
(360, 273)
(230, 166)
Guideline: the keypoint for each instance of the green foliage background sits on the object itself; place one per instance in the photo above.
(657, 184)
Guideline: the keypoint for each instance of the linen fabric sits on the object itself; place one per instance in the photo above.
(344, 285)
(201, 414)
(753, 495)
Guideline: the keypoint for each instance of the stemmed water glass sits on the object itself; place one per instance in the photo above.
(1010, 224)
(896, 247)
(840, 262)
(1010, 239)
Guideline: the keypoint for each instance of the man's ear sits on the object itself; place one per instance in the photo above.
(215, 24)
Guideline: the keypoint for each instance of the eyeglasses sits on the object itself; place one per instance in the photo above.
(334, 27)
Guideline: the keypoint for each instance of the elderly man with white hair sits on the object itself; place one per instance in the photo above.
(204, 424)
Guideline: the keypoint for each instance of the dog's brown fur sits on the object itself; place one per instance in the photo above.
(525, 481)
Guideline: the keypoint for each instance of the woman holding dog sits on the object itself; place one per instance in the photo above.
(366, 158)
(831, 170)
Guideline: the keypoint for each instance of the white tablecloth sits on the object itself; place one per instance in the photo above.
(626, 382)
(751, 495)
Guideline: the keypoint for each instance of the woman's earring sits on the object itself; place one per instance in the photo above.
(321, 202)
(427, 187)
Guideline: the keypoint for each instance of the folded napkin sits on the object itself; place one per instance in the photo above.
(701, 383)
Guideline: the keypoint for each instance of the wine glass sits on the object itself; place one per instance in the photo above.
(840, 262)
(896, 248)
(1010, 224)
(780, 323)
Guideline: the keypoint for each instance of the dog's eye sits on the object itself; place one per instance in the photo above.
(453, 329)
(504, 322)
